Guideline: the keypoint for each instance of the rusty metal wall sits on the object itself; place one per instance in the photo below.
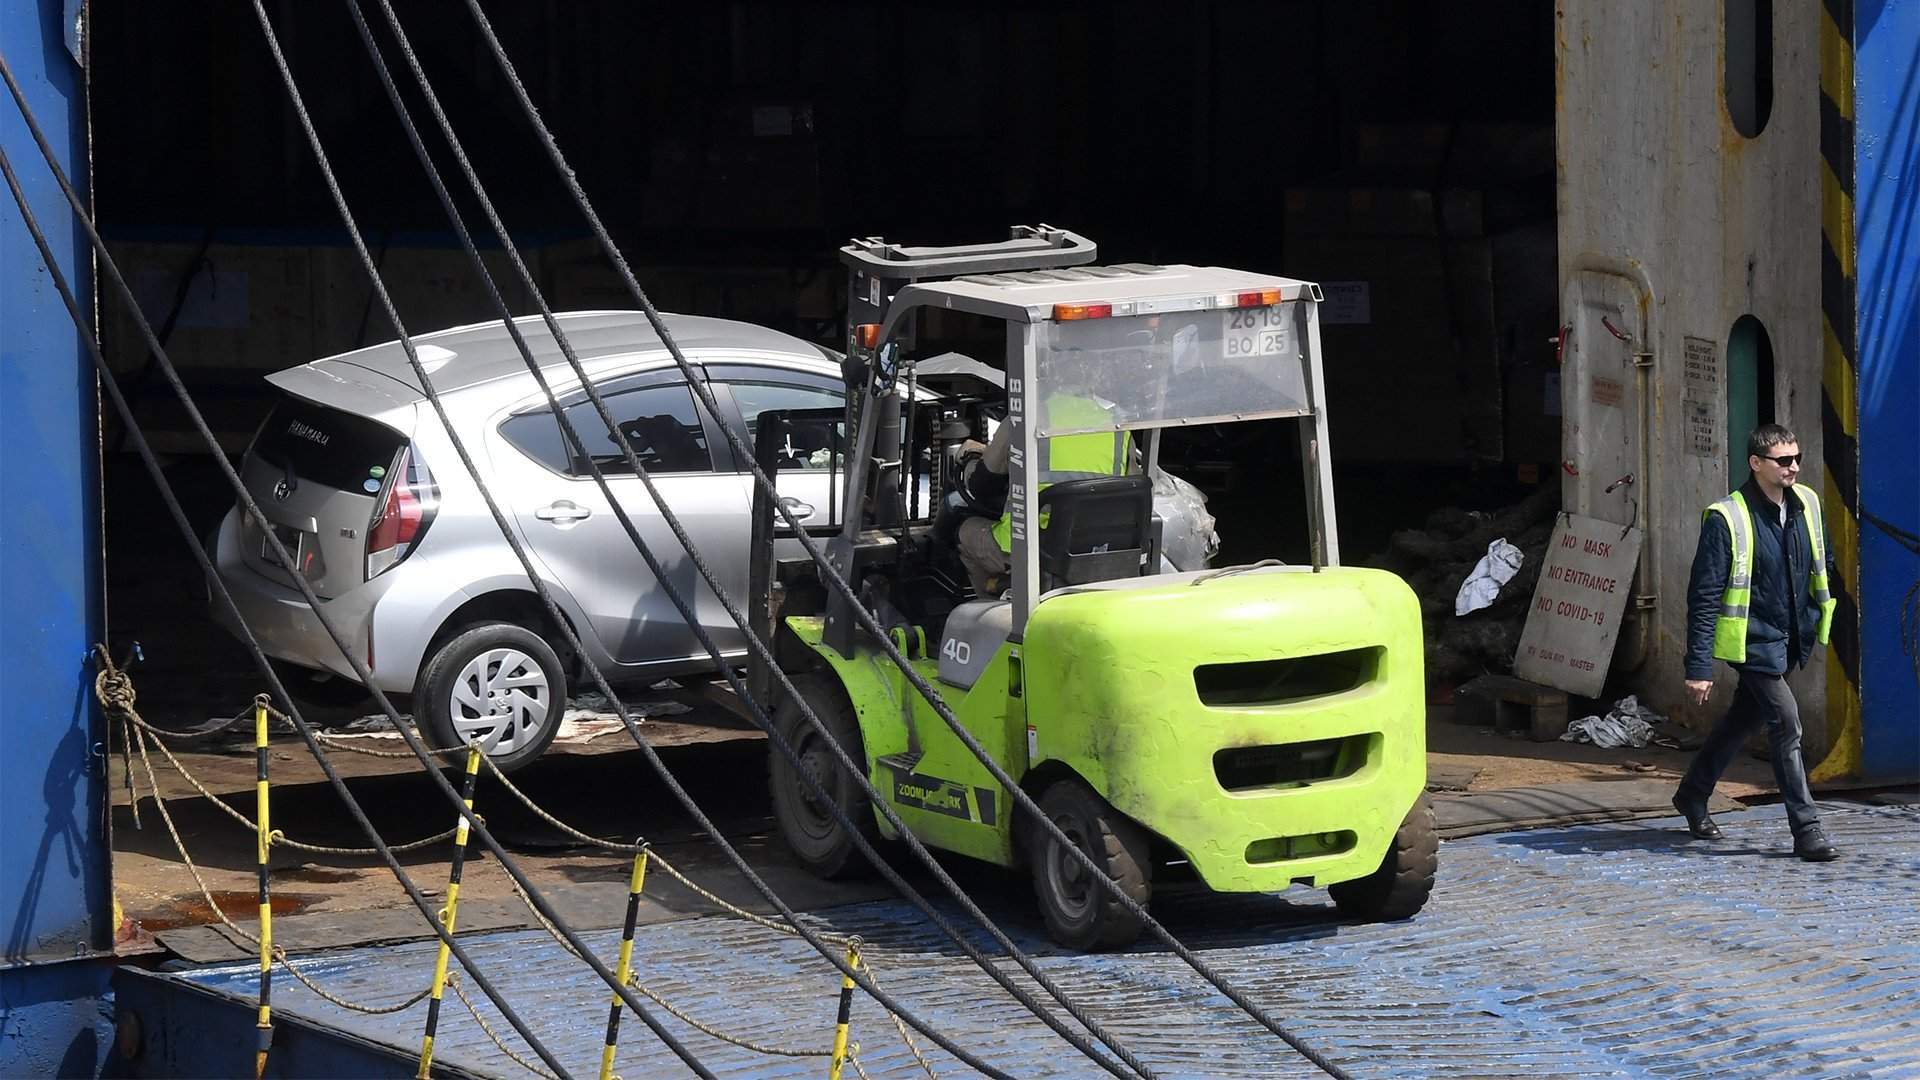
(1678, 225)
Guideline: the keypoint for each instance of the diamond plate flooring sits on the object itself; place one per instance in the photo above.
(1619, 950)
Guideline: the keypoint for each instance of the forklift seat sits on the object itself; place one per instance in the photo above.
(1097, 529)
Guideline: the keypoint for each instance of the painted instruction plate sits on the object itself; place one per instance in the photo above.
(1575, 615)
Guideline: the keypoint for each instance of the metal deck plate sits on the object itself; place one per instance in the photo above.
(1618, 949)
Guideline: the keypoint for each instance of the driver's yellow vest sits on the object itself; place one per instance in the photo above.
(1071, 457)
(1730, 629)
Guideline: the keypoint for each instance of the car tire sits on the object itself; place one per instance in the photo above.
(1080, 912)
(818, 841)
(497, 683)
(1399, 887)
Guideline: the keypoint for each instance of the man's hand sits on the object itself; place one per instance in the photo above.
(1698, 689)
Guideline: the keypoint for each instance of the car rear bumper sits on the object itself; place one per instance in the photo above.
(285, 624)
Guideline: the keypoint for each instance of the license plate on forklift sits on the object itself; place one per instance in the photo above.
(1256, 331)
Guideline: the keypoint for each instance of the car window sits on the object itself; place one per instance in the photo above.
(808, 442)
(327, 446)
(659, 422)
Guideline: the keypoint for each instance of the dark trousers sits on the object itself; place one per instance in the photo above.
(1760, 699)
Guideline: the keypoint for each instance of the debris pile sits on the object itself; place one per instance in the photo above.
(1628, 723)
(1438, 558)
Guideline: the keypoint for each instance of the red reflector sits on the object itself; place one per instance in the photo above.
(410, 512)
(1263, 298)
(867, 334)
(1069, 312)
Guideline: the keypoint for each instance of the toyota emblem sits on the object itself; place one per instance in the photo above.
(281, 489)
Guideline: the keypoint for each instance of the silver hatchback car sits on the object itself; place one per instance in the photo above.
(360, 481)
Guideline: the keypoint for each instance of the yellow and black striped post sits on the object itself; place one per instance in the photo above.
(449, 913)
(1839, 412)
(263, 840)
(634, 884)
(846, 1011)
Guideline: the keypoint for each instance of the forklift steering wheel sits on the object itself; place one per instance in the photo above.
(973, 472)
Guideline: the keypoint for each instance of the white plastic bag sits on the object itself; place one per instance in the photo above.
(1494, 569)
(1188, 539)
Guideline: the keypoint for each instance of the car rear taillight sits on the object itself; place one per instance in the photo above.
(404, 511)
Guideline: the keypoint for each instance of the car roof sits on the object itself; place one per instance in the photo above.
(465, 356)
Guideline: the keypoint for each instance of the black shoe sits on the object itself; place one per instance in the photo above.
(1699, 822)
(1813, 846)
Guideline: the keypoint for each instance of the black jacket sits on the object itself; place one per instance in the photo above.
(1782, 618)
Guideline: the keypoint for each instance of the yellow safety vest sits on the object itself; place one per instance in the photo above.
(1071, 457)
(1730, 629)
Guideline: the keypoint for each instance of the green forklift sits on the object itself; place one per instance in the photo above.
(1246, 727)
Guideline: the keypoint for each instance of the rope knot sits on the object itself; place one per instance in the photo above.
(116, 691)
(112, 686)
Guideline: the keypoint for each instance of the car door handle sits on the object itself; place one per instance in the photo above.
(799, 508)
(563, 512)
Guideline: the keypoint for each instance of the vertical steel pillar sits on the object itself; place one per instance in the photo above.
(1839, 394)
(55, 892)
(1886, 206)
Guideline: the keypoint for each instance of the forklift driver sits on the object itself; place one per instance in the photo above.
(986, 545)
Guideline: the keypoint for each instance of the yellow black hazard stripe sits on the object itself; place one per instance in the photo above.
(1839, 416)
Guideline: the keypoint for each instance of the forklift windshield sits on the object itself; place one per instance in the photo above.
(1171, 367)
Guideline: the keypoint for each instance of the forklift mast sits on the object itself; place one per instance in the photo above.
(877, 271)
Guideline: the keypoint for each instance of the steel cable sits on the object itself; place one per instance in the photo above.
(663, 578)
(280, 839)
(145, 452)
(633, 980)
(492, 1035)
(110, 382)
(840, 584)
(365, 675)
(138, 739)
(834, 577)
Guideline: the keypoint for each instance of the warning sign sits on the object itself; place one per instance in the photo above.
(1347, 302)
(1575, 616)
(1700, 398)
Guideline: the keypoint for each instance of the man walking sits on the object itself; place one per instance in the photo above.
(1758, 599)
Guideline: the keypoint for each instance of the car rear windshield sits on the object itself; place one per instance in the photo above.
(326, 446)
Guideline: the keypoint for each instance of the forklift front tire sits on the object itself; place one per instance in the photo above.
(820, 843)
(1399, 888)
(1080, 912)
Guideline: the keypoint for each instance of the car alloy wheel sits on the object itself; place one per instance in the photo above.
(500, 700)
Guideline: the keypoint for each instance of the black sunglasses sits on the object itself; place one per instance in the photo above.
(1785, 461)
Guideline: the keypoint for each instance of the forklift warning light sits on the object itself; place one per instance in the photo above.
(1065, 312)
(1253, 298)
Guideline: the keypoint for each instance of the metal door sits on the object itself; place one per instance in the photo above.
(1601, 460)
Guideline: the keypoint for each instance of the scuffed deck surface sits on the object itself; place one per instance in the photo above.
(1619, 949)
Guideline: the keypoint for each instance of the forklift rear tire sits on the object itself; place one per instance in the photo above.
(1080, 912)
(1401, 885)
(821, 844)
